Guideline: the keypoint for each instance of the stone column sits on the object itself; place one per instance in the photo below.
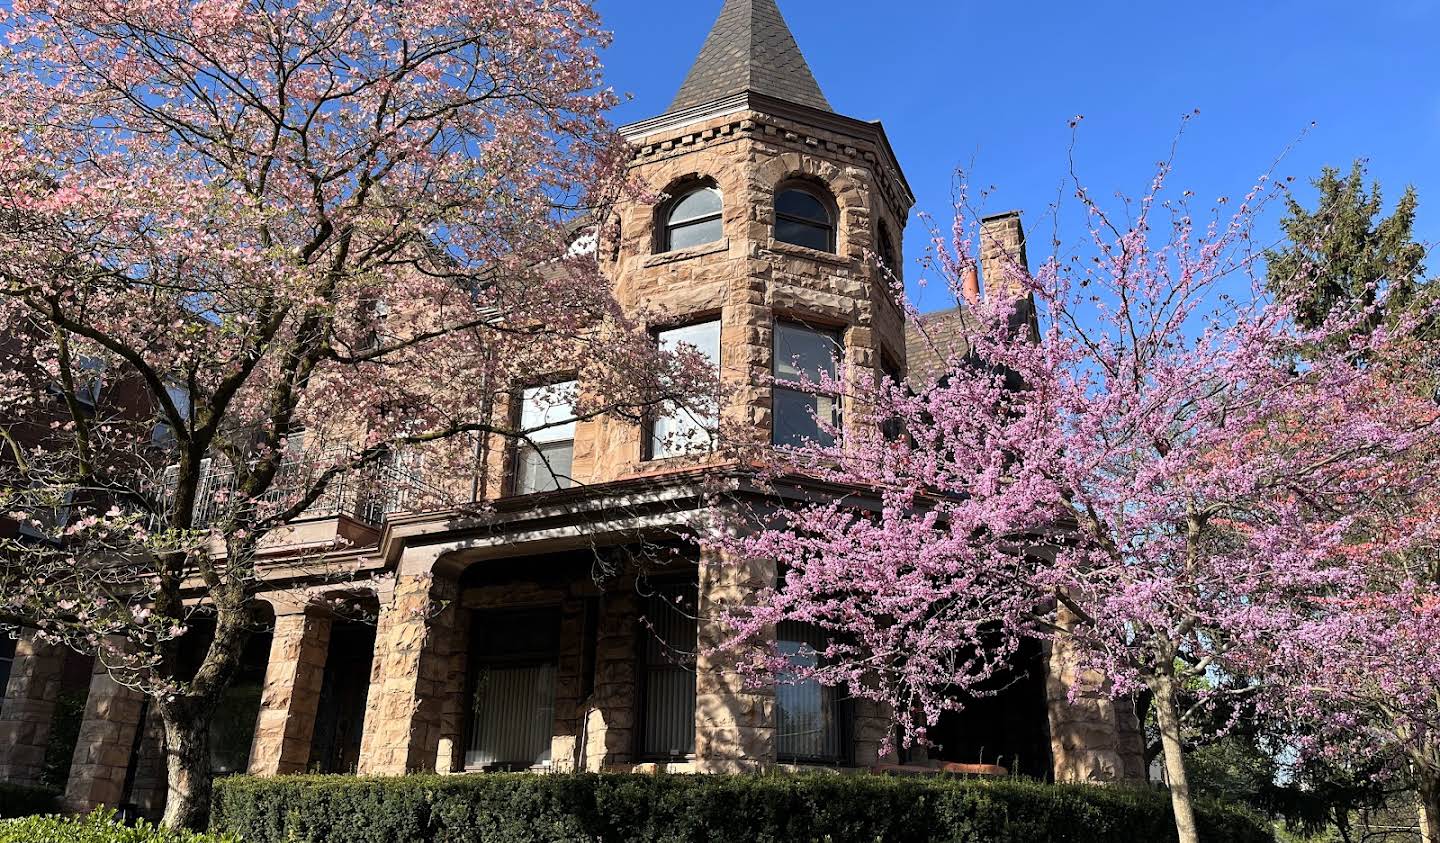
(610, 716)
(873, 723)
(734, 723)
(106, 743)
(1086, 725)
(404, 712)
(290, 700)
(28, 708)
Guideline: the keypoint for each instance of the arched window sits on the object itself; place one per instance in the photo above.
(693, 219)
(803, 218)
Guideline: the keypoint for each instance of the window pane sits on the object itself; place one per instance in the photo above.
(512, 715)
(701, 203)
(670, 643)
(513, 718)
(799, 203)
(544, 470)
(691, 234)
(548, 412)
(796, 414)
(688, 429)
(803, 351)
(804, 234)
(807, 718)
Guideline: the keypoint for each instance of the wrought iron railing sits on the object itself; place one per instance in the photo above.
(370, 494)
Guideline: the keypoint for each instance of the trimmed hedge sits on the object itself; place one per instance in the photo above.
(21, 801)
(99, 827)
(521, 808)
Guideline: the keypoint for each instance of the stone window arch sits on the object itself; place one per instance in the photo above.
(805, 215)
(694, 216)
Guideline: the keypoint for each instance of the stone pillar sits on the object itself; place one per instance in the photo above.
(28, 708)
(285, 727)
(107, 741)
(734, 723)
(1086, 725)
(609, 724)
(404, 712)
(873, 724)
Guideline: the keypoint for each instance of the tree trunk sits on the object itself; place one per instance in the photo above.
(187, 760)
(1168, 717)
(1428, 791)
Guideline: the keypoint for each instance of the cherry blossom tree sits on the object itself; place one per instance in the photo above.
(299, 240)
(1155, 477)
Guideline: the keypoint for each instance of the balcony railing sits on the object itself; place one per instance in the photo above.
(369, 495)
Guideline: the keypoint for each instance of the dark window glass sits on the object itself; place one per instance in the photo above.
(694, 220)
(803, 220)
(809, 716)
(670, 635)
(885, 249)
(803, 354)
(7, 658)
(547, 417)
(512, 707)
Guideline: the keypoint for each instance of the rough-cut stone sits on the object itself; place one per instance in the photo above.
(404, 713)
(734, 722)
(1092, 737)
(289, 701)
(107, 740)
(28, 708)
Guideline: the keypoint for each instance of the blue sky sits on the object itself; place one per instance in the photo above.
(992, 86)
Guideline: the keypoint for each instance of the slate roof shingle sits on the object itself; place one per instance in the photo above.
(750, 49)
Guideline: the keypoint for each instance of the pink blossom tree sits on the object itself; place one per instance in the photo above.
(1154, 477)
(311, 234)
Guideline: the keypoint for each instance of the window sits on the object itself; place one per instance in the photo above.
(512, 716)
(547, 417)
(802, 218)
(163, 435)
(670, 640)
(803, 354)
(809, 716)
(694, 220)
(679, 430)
(7, 659)
(885, 249)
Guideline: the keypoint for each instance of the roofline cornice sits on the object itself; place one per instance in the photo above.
(872, 131)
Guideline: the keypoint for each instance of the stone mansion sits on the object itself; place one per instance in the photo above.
(497, 647)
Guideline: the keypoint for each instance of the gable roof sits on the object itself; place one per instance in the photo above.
(750, 49)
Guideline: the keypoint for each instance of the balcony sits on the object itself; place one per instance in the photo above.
(368, 496)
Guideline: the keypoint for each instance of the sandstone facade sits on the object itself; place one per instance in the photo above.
(586, 556)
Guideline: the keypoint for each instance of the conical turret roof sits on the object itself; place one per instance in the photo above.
(750, 49)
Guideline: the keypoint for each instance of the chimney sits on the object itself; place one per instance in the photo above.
(971, 288)
(1002, 251)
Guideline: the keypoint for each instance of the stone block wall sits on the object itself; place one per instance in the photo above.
(1093, 738)
(290, 698)
(28, 708)
(101, 762)
(413, 646)
(734, 721)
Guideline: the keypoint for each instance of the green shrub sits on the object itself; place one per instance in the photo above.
(21, 801)
(99, 827)
(519, 808)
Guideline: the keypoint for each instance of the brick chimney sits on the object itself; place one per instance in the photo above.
(1002, 246)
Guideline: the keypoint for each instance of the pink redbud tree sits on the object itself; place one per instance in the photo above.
(1149, 474)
